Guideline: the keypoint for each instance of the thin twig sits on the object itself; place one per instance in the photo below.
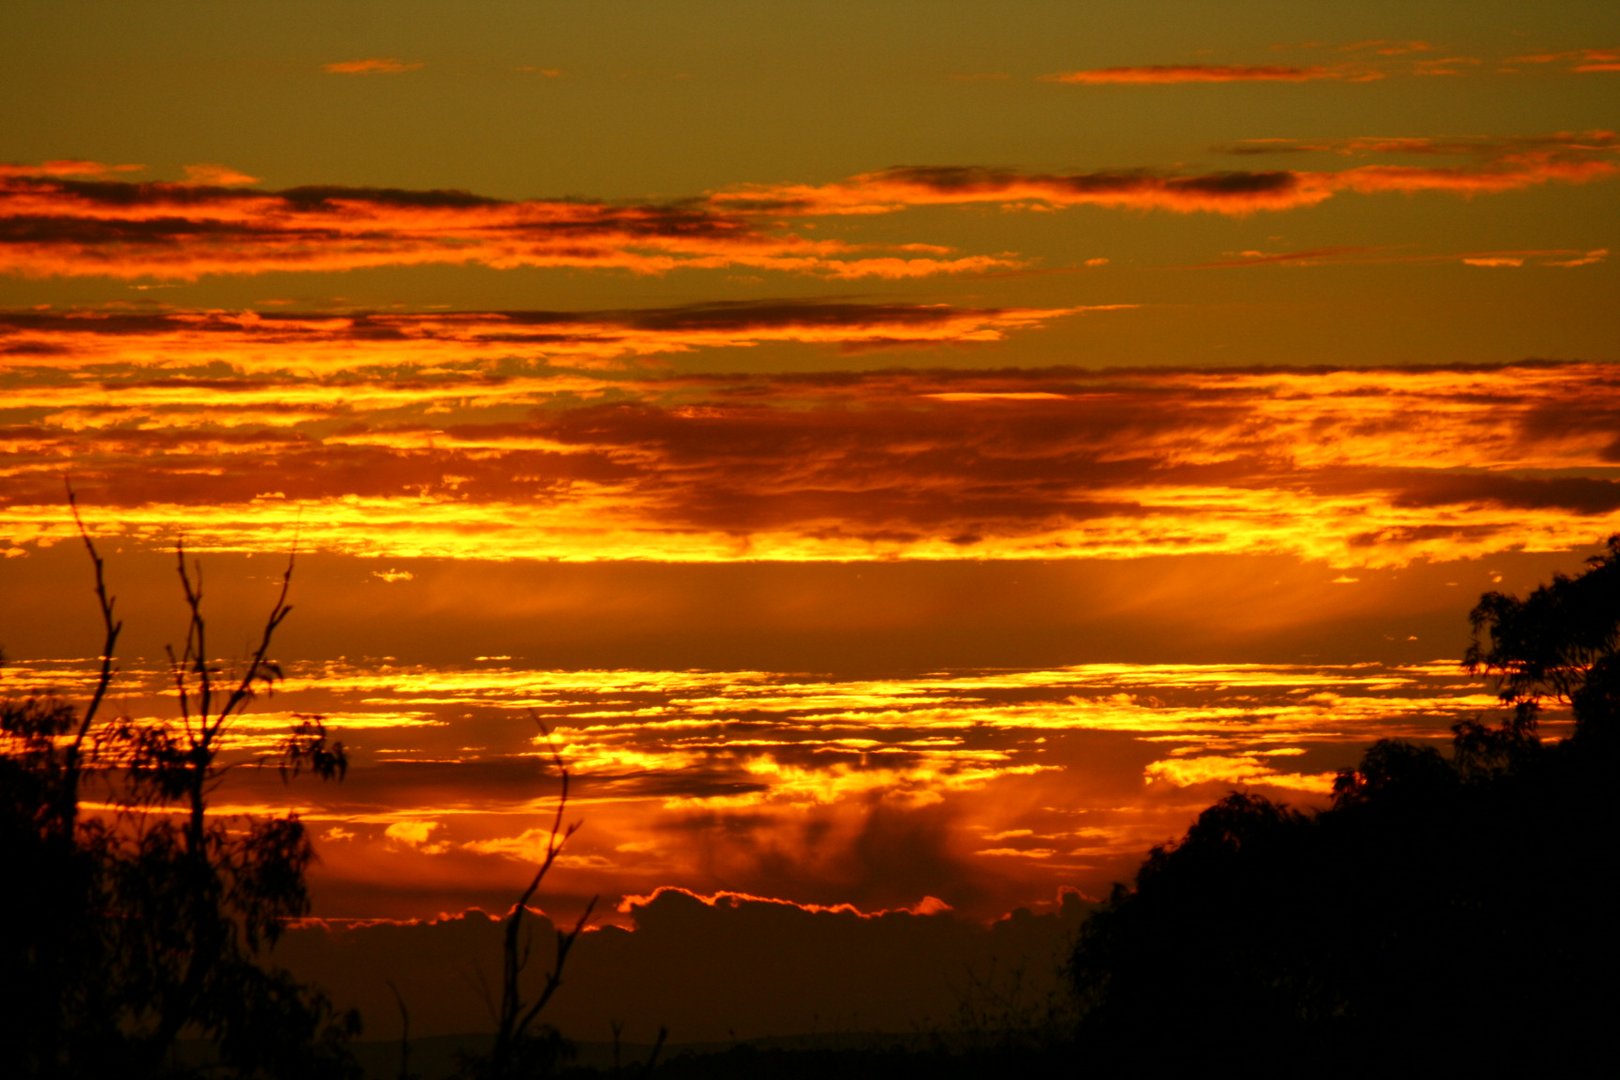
(658, 1045)
(404, 1032)
(111, 628)
(515, 1017)
(278, 612)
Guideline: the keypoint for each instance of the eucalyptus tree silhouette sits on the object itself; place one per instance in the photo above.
(1450, 912)
(1562, 641)
(147, 920)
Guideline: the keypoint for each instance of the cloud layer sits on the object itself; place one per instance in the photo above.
(53, 225)
(282, 342)
(81, 218)
(501, 436)
(970, 791)
(1490, 167)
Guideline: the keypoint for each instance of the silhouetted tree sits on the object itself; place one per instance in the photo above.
(522, 1047)
(1561, 642)
(126, 929)
(1451, 912)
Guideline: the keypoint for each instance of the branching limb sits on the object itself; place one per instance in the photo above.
(111, 628)
(565, 945)
(515, 1016)
(259, 667)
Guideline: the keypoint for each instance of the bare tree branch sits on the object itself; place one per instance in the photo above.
(516, 1016)
(404, 1032)
(110, 630)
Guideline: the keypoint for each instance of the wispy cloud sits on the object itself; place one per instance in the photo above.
(1570, 259)
(1583, 61)
(68, 167)
(1307, 257)
(377, 65)
(1388, 46)
(1374, 60)
(1445, 66)
(252, 343)
(1562, 258)
(1572, 146)
(1169, 74)
(896, 189)
(208, 175)
(53, 225)
(1497, 165)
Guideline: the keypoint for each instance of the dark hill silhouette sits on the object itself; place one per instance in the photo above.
(1451, 912)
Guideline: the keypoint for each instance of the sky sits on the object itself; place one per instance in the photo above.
(911, 456)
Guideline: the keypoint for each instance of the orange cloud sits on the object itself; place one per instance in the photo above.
(1511, 176)
(53, 224)
(1574, 259)
(1563, 145)
(1387, 47)
(1163, 74)
(1377, 60)
(1499, 166)
(381, 65)
(900, 188)
(1310, 257)
(253, 342)
(1443, 66)
(67, 168)
(1566, 258)
(725, 898)
(1600, 60)
(446, 457)
(218, 176)
(1579, 60)
(57, 226)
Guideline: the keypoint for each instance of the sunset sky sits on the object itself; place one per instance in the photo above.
(913, 455)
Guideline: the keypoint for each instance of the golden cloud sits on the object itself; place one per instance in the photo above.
(1350, 467)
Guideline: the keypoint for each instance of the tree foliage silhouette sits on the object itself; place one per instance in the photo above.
(1562, 641)
(146, 921)
(1443, 910)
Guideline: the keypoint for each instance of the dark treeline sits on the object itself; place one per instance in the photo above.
(1449, 911)
(1452, 911)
